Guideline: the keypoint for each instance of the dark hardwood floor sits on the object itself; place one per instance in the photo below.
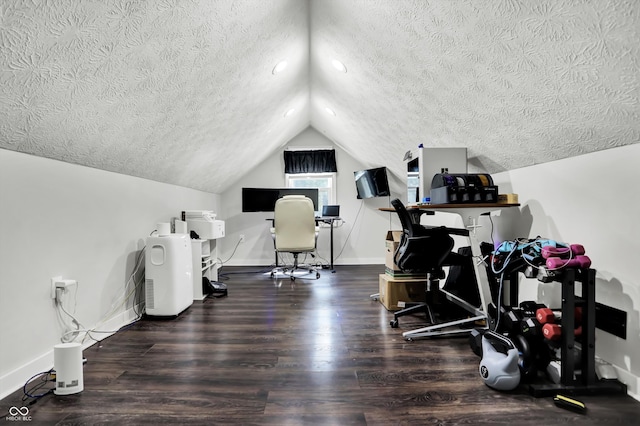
(309, 352)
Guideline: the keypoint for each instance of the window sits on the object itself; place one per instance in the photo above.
(325, 182)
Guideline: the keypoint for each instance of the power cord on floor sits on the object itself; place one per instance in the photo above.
(42, 380)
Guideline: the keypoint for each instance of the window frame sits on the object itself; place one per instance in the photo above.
(332, 191)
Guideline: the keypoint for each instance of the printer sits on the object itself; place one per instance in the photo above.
(203, 223)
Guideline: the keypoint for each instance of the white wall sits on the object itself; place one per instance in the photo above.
(82, 223)
(360, 240)
(591, 200)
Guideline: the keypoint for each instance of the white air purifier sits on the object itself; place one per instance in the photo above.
(168, 275)
(67, 362)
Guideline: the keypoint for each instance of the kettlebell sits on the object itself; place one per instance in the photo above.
(499, 368)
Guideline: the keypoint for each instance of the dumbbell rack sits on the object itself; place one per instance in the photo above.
(584, 381)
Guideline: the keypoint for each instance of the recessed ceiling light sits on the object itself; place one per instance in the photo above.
(330, 111)
(339, 65)
(280, 66)
(289, 112)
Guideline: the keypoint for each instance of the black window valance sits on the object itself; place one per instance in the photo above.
(312, 161)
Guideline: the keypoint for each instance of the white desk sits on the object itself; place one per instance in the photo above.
(470, 213)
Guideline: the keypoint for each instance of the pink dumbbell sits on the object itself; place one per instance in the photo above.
(580, 261)
(573, 250)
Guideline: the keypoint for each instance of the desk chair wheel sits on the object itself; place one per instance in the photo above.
(393, 323)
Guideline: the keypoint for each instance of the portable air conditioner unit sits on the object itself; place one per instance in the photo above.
(168, 275)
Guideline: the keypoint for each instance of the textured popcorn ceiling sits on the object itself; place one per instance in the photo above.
(182, 91)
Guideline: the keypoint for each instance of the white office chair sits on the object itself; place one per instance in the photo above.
(294, 231)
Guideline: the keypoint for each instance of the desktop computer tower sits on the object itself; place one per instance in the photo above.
(432, 161)
(168, 275)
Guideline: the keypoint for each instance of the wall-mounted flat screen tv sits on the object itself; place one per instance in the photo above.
(264, 199)
(372, 183)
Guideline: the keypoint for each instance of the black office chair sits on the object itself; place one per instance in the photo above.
(424, 249)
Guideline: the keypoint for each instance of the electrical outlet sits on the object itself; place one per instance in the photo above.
(242, 238)
(53, 285)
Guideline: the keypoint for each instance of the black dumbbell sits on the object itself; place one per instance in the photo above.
(475, 341)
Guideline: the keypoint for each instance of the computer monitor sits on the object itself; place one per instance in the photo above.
(330, 210)
(372, 183)
(264, 199)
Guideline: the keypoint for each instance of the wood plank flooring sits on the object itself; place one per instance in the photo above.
(309, 352)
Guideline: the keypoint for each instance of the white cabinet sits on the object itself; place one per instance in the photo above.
(205, 264)
(204, 250)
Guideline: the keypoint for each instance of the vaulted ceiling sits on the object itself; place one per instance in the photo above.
(185, 91)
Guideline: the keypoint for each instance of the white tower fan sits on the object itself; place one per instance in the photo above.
(168, 275)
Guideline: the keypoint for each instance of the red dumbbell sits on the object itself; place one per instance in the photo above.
(564, 252)
(554, 331)
(547, 316)
(580, 261)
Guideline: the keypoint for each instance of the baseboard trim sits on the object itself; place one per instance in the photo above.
(631, 381)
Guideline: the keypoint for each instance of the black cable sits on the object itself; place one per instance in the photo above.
(224, 275)
(506, 262)
(319, 263)
(493, 243)
(498, 315)
(389, 203)
(45, 377)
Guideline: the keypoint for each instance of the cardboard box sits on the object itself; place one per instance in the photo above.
(394, 293)
(508, 198)
(391, 244)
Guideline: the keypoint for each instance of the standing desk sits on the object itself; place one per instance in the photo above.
(470, 213)
(329, 220)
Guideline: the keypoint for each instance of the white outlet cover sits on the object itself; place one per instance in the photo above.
(53, 285)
